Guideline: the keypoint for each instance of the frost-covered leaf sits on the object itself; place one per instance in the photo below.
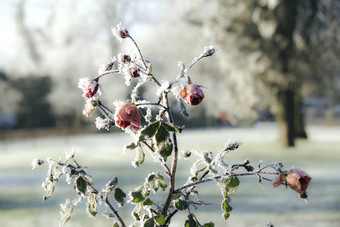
(137, 196)
(92, 206)
(181, 204)
(81, 185)
(66, 211)
(171, 127)
(49, 189)
(165, 148)
(162, 135)
(140, 157)
(191, 222)
(110, 185)
(230, 185)
(149, 131)
(119, 196)
(200, 170)
(131, 146)
(226, 208)
(182, 108)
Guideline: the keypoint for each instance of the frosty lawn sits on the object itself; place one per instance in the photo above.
(21, 195)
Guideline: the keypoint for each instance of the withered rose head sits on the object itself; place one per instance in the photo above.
(296, 179)
(128, 116)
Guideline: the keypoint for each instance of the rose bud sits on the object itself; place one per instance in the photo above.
(192, 94)
(134, 72)
(128, 116)
(89, 87)
(123, 33)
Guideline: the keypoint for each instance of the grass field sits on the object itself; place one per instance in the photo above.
(21, 194)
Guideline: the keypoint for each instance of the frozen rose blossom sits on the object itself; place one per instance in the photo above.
(119, 32)
(128, 116)
(296, 179)
(89, 87)
(192, 94)
(134, 72)
(90, 106)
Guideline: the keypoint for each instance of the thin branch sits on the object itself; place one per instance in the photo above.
(165, 166)
(174, 160)
(142, 58)
(139, 51)
(107, 202)
(220, 176)
(106, 73)
(151, 104)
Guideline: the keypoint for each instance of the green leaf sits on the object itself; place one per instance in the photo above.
(162, 135)
(160, 219)
(200, 170)
(81, 185)
(231, 185)
(131, 146)
(136, 216)
(182, 108)
(206, 157)
(191, 222)
(110, 185)
(92, 204)
(176, 196)
(226, 208)
(149, 131)
(181, 204)
(119, 196)
(115, 224)
(151, 177)
(171, 127)
(165, 148)
(147, 202)
(140, 157)
(149, 223)
(137, 196)
(210, 224)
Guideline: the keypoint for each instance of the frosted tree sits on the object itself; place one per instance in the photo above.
(273, 50)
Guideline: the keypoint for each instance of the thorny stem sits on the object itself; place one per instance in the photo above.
(107, 202)
(165, 166)
(151, 104)
(142, 58)
(140, 53)
(220, 176)
(174, 160)
(106, 73)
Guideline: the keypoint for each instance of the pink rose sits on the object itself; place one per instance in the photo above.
(128, 116)
(192, 94)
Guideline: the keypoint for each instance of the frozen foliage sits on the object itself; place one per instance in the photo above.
(158, 139)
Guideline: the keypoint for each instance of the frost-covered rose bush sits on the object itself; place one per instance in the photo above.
(157, 137)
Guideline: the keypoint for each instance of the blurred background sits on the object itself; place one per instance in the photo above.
(274, 83)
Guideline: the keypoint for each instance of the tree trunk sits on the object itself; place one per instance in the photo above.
(285, 117)
(299, 120)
